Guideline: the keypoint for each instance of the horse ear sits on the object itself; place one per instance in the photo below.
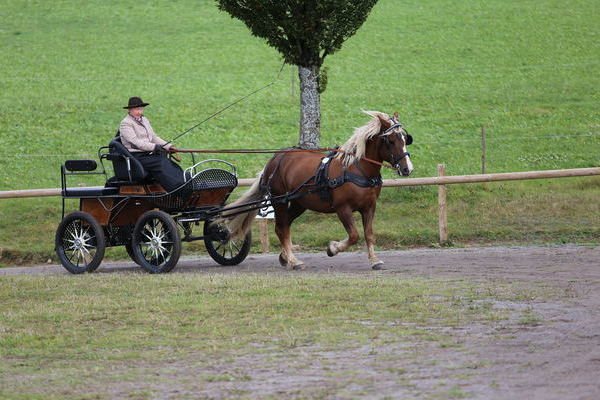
(385, 123)
(396, 115)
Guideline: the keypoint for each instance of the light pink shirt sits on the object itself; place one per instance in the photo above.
(138, 135)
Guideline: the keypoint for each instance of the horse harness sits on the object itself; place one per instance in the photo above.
(322, 184)
(325, 185)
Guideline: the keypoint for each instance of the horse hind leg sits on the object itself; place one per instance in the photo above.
(294, 211)
(345, 216)
(282, 229)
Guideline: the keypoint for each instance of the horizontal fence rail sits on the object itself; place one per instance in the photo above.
(436, 180)
(505, 176)
(15, 194)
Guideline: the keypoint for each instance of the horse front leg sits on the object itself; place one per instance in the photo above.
(282, 229)
(345, 215)
(367, 219)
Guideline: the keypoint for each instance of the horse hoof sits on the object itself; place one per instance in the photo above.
(331, 250)
(288, 264)
(299, 267)
(377, 266)
(282, 260)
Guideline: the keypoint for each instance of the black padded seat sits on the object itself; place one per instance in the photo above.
(127, 168)
(91, 191)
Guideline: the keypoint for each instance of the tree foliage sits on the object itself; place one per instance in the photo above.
(303, 31)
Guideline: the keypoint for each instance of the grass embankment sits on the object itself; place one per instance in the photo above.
(524, 70)
(103, 336)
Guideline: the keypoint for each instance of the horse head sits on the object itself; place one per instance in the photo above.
(392, 142)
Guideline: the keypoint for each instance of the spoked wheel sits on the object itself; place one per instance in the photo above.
(155, 242)
(80, 243)
(222, 248)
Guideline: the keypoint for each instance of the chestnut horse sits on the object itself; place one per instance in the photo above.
(382, 139)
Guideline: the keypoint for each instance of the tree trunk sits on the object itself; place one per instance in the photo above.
(310, 107)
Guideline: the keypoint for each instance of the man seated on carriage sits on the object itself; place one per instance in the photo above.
(151, 151)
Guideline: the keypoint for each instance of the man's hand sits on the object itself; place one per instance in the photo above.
(172, 150)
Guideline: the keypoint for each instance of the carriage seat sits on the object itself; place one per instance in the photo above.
(128, 170)
(83, 167)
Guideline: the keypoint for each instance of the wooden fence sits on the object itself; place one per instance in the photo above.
(441, 180)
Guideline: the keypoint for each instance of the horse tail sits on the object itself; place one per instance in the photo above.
(240, 224)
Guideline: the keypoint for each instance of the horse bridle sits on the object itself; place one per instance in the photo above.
(407, 140)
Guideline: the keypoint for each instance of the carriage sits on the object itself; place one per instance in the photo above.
(134, 211)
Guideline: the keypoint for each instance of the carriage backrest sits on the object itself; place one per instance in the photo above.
(81, 165)
(127, 167)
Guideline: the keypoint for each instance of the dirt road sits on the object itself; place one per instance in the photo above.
(555, 356)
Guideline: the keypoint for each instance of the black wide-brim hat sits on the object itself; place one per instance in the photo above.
(135, 102)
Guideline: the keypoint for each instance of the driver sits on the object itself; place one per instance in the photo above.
(139, 138)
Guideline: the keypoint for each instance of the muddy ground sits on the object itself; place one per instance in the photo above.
(555, 355)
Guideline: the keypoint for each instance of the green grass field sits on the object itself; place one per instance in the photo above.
(525, 70)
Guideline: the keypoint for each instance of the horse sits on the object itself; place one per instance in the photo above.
(351, 183)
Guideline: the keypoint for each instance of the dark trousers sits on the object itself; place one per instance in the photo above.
(165, 171)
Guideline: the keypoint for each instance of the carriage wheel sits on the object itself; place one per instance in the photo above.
(222, 248)
(129, 249)
(155, 242)
(80, 243)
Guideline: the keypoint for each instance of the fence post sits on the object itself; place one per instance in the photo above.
(264, 234)
(443, 220)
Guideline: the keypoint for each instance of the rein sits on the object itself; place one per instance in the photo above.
(271, 151)
(227, 107)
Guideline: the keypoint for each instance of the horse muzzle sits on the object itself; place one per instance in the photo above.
(403, 171)
(406, 169)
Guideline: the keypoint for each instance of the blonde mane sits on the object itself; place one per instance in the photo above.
(355, 148)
